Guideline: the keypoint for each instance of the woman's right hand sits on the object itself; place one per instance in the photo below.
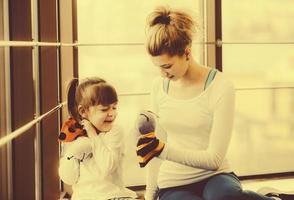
(148, 145)
(145, 122)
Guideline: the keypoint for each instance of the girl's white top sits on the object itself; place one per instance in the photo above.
(197, 133)
(99, 175)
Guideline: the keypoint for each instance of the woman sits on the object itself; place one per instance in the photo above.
(195, 105)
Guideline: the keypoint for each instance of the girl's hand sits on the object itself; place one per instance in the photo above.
(89, 127)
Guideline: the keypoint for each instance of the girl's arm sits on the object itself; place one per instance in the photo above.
(212, 157)
(69, 170)
(74, 153)
(107, 150)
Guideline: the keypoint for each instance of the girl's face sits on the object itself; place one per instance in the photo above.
(173, 68)
(102, 117)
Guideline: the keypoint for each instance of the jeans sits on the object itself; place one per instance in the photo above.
(225, 186)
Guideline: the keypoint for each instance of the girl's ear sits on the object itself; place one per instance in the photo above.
(82, 111)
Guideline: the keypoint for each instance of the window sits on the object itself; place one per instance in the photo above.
(30, 86)
(258, 53)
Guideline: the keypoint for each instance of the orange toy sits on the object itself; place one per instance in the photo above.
(71, 130)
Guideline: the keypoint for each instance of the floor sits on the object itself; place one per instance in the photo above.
(284, 184)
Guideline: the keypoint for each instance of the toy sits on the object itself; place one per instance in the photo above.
(148, 146)
(78, 149)
(71, 130)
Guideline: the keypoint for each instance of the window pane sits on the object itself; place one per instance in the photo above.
(129, 106)
(262, 20)
(128, 68)
(259, 65)
(263, 133)
(115, 21)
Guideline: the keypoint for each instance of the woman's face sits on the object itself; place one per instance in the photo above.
(173, 68)
(102, 117)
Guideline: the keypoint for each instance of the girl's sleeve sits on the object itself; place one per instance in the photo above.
(108, 150)
(221, 131)
(69, 169)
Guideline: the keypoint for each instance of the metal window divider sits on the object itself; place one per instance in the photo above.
(217, 43)
(58, 64)
(36, 81)
(8, 99)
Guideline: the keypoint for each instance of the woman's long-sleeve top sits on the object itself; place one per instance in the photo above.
(197, 132)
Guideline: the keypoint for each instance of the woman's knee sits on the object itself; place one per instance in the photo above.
(223, 187)
(227, 194)
(179, 195)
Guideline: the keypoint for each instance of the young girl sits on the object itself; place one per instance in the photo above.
(93, 144)
(195, 105)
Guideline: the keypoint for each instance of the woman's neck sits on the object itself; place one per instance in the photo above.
(195, 74)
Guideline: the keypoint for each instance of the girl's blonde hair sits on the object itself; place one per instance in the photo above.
(90, 92)
(169, 32)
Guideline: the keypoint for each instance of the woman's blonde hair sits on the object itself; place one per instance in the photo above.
(169, 32)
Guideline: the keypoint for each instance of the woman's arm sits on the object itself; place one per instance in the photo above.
(154, 165)
(212, 157)
(151, 179)
(153, 169)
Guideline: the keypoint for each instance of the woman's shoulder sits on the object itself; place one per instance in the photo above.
(222, 81)
(221, 87)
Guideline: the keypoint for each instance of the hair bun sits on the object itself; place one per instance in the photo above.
(162, 20)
